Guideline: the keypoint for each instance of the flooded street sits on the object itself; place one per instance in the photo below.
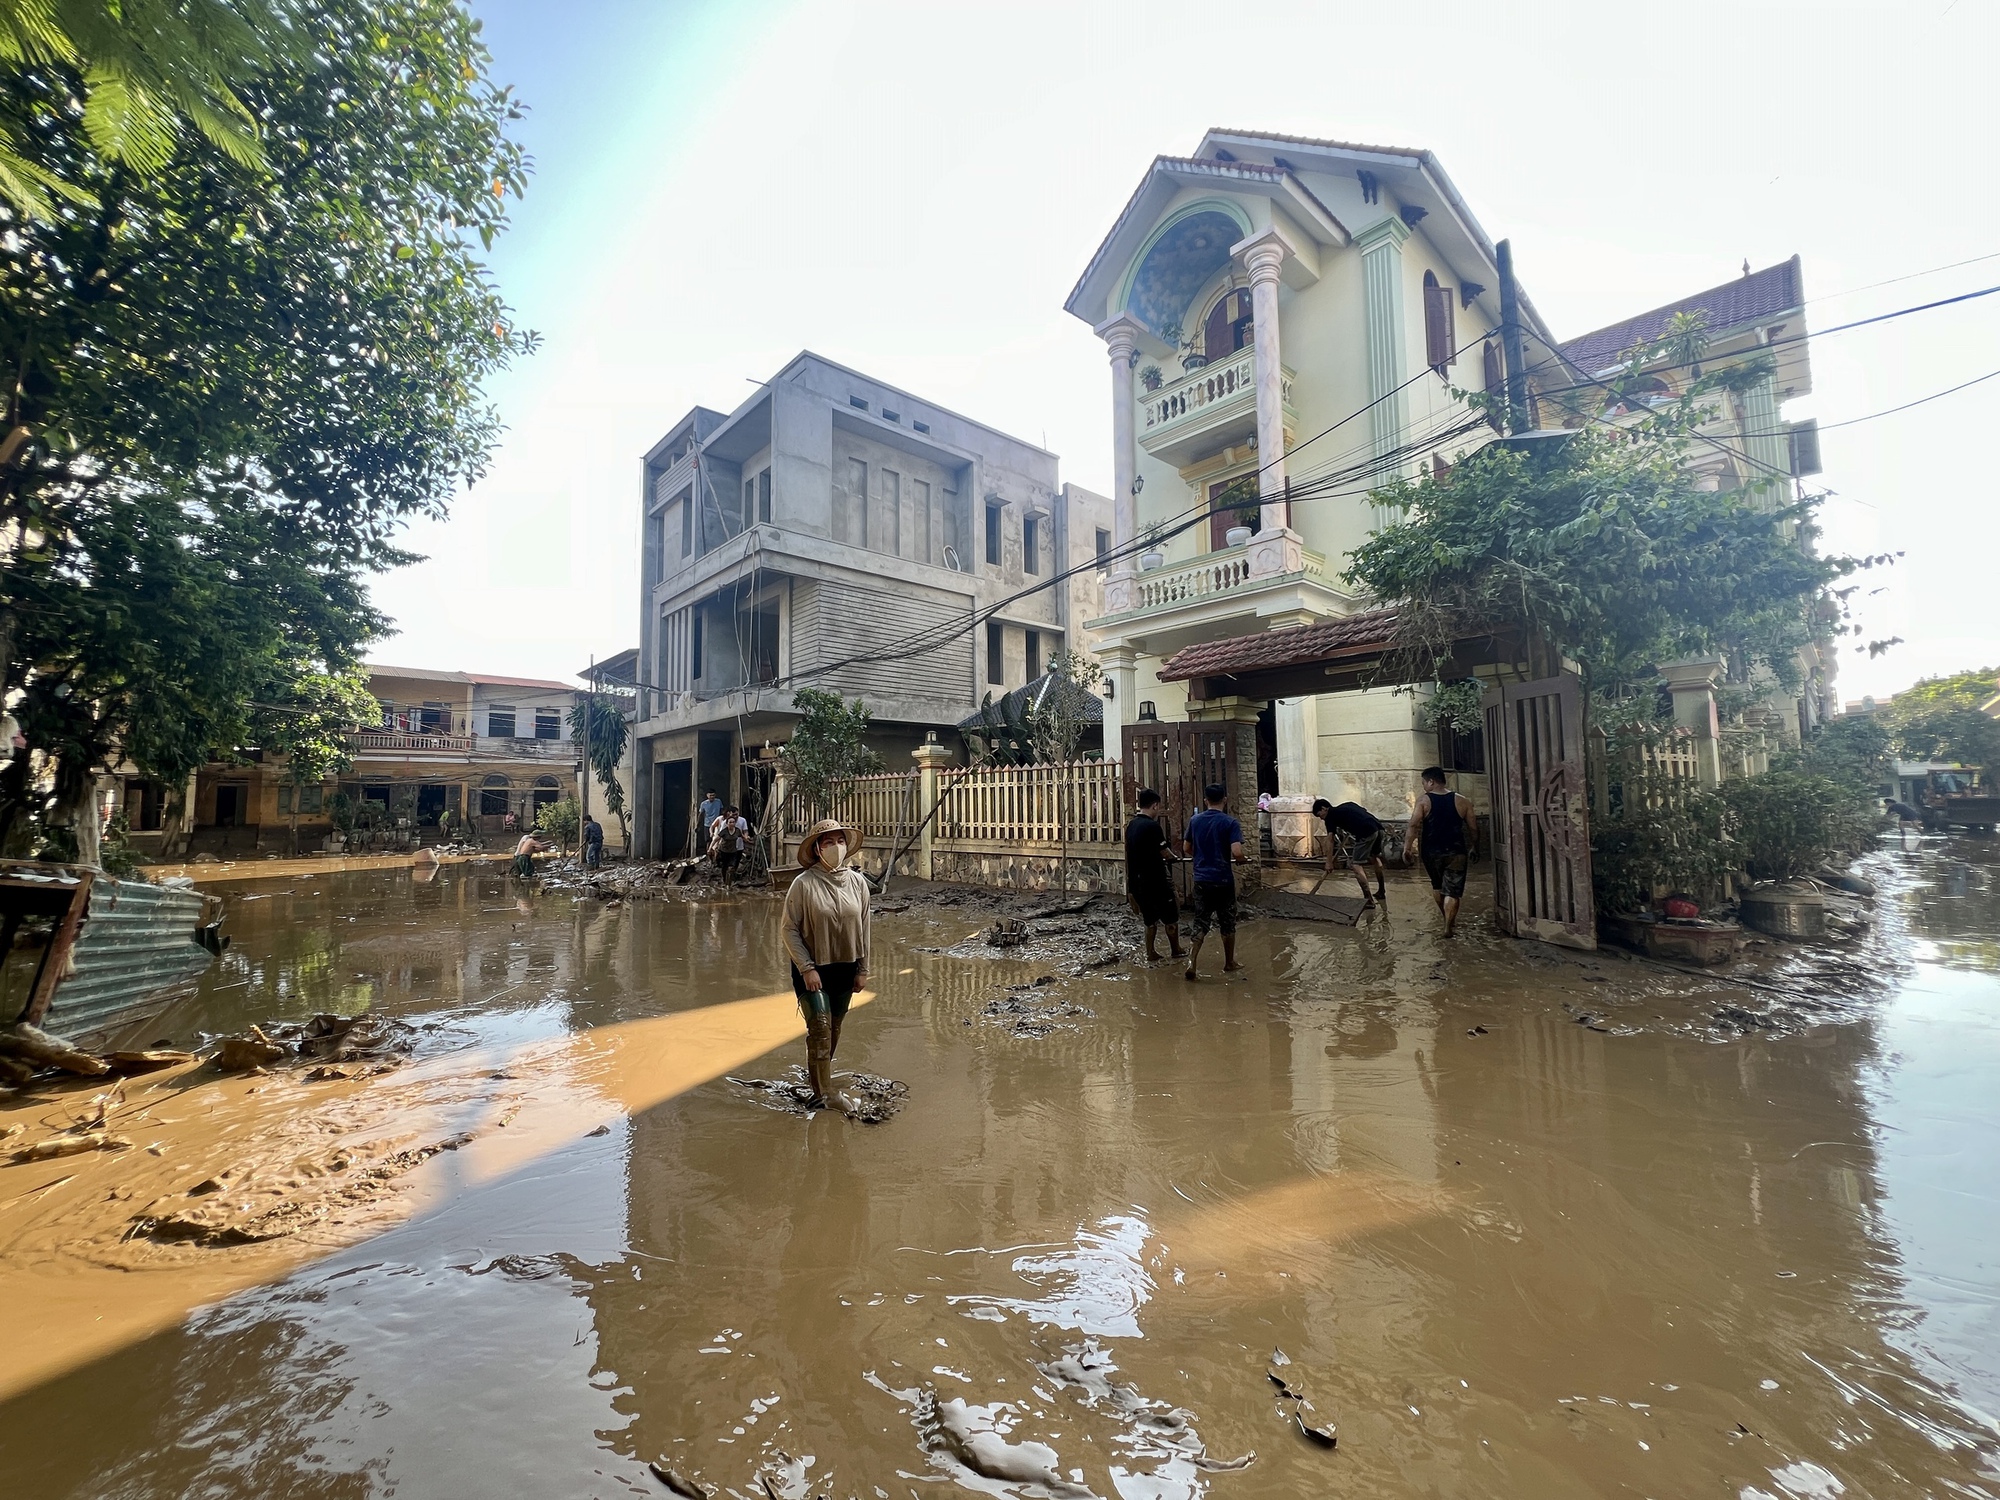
(1520, 1222)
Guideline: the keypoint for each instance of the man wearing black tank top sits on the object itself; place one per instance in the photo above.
(1444, 829)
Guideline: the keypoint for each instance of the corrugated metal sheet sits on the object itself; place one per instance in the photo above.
(136, 953)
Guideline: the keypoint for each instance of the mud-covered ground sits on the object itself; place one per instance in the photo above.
(1500, 1219)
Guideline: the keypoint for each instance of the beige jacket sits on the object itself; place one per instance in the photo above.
(826, 918)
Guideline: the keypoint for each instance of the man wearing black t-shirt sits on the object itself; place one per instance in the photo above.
(1148, 885)
(1357, 834)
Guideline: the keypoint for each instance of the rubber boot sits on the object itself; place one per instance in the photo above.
(819, 1056)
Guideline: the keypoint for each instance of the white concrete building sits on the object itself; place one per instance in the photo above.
(829, 517)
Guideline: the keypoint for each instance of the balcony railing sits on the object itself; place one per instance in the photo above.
(520, 747)
(1223, 572)
(401, 739)
(1216, 395)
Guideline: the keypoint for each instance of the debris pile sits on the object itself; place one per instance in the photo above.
(1031, 1010)
(357, 1046)
(863, 1096)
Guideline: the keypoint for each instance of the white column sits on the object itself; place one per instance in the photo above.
(1692, 682)
(1765, 445)
(1121, 338)
(1264, 257)
(1121, 671)
(1381, 246)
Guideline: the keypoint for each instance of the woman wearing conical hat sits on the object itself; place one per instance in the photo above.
(826, 934)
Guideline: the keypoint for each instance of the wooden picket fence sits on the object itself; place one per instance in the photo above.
(883, 807)
(1074, 804)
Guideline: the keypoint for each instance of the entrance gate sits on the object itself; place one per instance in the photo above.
(1177, 761)
(1541, 828)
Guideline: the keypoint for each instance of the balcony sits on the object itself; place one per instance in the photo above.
(1274, 575)
(1206, 409)
(405, 741)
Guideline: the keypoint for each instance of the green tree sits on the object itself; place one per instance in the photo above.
(827, 746)
(231, 388)
(135, 74)
(306, 716)
(1061, 715)
(559, 820)
(609, 734)
(1940, 719)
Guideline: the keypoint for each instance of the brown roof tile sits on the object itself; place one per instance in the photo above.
(1747, 299)
(1294, 646)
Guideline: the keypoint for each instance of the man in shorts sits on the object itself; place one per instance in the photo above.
(1149, 886)
(1357, 834)
(1214, 842)
(1443, 827)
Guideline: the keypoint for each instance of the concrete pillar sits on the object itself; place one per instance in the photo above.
(1764, 443)
(1381, 246)
(1264, 257)
(931, 759)
(1692, 681)
(1121, 671)
(1241, 715)
(1121, 339)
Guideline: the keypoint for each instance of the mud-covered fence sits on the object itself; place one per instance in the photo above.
(1057, 826)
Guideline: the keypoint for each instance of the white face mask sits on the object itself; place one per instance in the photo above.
(832, 853)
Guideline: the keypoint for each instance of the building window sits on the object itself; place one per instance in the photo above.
(993, 536)
(764, 496)
(996, 653)
(1440, 338)
(891, 416)
(1034, 655)
(921, 426)
(312, 800)
(694, 649)
(687, 525)
(1031, 546)
(548, 723)
(1103, 545)
(857, 403)
(500, 720)
(493, 797)
(1462, 752)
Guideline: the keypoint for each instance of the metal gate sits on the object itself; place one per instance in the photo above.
(1177, 761)
(1541, 821)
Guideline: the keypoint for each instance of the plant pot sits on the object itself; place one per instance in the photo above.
(1193, 362)
(1151, 562)
(1238, 536)
(1784, 912)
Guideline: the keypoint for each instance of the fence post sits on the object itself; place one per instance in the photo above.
(931, 758)
(1692, 681)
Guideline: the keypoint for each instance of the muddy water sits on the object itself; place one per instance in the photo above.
(1612, 1244)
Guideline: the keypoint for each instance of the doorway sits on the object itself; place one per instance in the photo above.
(673, 791)
(1232, 502)
(430, 805)
(229, 804)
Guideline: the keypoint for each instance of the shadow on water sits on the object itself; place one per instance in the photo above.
(1535, 1258)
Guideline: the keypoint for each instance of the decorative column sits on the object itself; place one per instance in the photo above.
(1264, 257)
(1381, 246)
(1764, 444)
(931, 758)
(1692, 681)
(1121, 338)
(1121, 673)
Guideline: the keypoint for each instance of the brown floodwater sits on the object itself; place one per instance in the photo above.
(1516, 1222)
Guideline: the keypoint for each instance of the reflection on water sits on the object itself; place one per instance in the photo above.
(1532, 1258)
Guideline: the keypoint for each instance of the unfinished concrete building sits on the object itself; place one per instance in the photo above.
(835, 532)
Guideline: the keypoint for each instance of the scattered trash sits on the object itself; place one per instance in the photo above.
(240, 1054)
(974, 1438)
(1325, 1437)
(678, 1482)
(149, 1059)
(1007, 932)
(70, 1145)
(356, 1046)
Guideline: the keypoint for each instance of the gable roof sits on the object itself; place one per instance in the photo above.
(1755, 298)
(1292, 646)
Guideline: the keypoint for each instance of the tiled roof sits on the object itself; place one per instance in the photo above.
(1294, 646)
(1090, 705)
(1747, 299)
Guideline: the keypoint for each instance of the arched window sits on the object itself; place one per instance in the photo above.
(493, 797)
(1440, 339)
(1229, 325)
(547, 790)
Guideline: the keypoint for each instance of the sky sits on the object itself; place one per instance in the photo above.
(913, 189)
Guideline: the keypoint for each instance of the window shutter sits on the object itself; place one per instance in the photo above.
(1437, 323)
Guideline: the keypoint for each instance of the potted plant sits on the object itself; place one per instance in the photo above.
(1151, 378)
(1192, 357)
(340, 811)
(1248, 518)
(1155, 555)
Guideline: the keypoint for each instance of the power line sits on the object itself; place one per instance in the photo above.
(1890, 411)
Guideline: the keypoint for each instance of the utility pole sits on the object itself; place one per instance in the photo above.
(589, 706)
(1510, 340)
